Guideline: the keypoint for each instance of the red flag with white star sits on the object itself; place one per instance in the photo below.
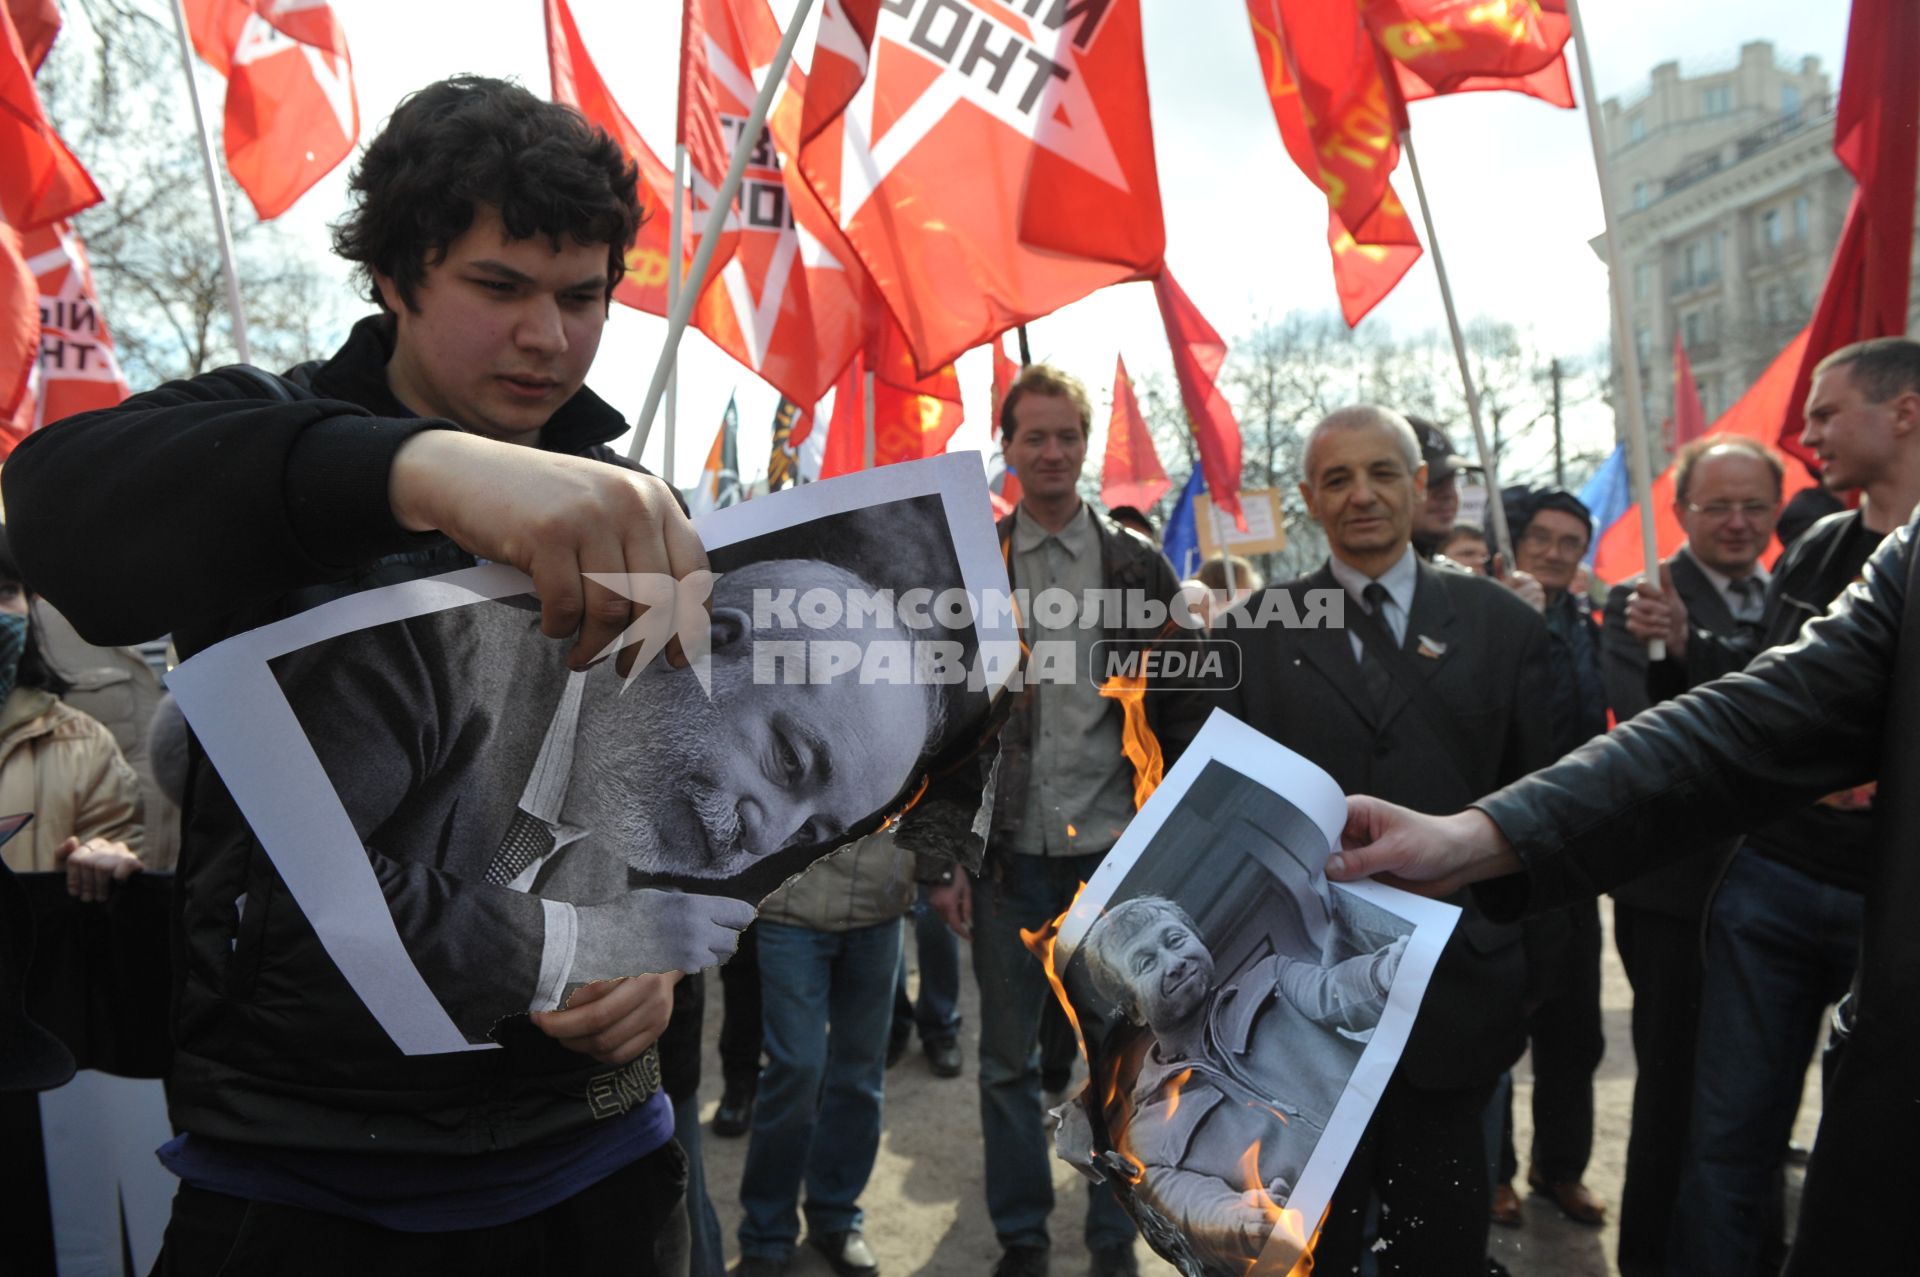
(291, 113)
(958, 121)
(74, 368)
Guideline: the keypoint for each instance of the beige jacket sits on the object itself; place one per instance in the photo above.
(863, 883)
(64, 768)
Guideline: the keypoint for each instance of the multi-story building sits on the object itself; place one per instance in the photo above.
(1729, 202)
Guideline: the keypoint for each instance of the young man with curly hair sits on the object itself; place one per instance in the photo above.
(454, 425)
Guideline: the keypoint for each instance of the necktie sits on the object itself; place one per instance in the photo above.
(1747, 605)
(528, 839)
(1373, 671)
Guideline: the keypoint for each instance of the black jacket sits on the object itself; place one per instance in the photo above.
(1680, 890)
(1827, 843)
(1127, 563)
(205, 508)
(1488, 668)
(1835, 709)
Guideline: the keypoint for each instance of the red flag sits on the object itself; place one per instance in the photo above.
(1462, 46)
(1132, 474)
(76, 370)
(291, 113)
(842, 52)
(40, 181)
(1756, 415)
(1003, 485)
(700, 127)
(1336, 121)
(38, 22)
(911, 418)
(1874, 127)
(926, 169)
(577, 82)
(1689, 417)
(1198, 354)
(19, 327)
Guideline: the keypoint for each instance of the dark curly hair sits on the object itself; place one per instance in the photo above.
(471, 140)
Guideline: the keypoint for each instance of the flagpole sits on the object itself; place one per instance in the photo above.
(235, 309)
(1503, 540)
(866, 417)
(1639, 452)
(676, 233)
(682, 308)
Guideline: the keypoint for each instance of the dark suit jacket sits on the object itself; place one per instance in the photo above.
(1303, 688)
(1681, 888)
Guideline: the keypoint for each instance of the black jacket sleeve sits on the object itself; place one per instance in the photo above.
(1801, 721)
(192, 500)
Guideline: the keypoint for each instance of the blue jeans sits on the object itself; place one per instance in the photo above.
(937, 1013)
(1013, 987)
(827, 997)
(1780, 949)
(706, 1256)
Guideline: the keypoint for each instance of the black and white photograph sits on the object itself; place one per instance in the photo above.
(1240, 1013)
(517, 829)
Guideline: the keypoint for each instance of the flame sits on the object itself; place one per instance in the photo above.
(1072, 832)
(1137, 740)
(1174, 1088)
(1041, 945)
(1289, 1224)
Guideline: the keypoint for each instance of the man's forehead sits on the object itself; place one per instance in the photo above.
(1730, 467)
(1351, 446)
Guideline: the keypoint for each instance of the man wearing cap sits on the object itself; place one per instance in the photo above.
(1551, 529)
(1433, 521)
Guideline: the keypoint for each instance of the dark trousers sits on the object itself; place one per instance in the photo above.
(633, 1222)
(740, 1016)
(1662, 956)
(1567, 1042)
(1425, 1157)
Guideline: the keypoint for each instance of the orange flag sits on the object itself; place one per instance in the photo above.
(956, 119)
(1132, 474)
(1198, 355)
(75, 369)
(19, 327)
(577, 82)
(1756, 415)
(1689, 416)
(1874, 125)
(1336, 121)
(291, 113)
(1463, 46)
(40, 180)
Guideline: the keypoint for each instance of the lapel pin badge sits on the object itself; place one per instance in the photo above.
(1430, 649)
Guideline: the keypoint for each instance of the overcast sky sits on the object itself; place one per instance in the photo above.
(1511, 180)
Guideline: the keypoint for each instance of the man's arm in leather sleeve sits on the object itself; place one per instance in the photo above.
(1801, 721)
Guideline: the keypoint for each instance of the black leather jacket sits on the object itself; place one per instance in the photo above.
(1838, 708)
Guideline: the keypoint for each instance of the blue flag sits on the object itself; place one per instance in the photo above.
(1607, 495)
(1182, 540)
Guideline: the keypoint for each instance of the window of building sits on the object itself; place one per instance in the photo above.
(1772, 228)
(1717, 100)
(1636, 128)
(1642, 281)
(1802, 216)
(1701, 262)
(1643, 345)
(1789, 99)
(1693, 329)
(1640, 198)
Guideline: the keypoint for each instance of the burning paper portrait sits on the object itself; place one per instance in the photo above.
(1240, 1013)
(475, 830)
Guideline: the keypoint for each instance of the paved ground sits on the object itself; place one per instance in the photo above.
(925, 1213)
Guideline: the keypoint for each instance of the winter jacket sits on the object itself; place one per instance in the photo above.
(64, 768)
(868, 881)
(1833, 710)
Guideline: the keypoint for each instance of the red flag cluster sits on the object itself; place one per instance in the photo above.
(291, 113)
(1874, 126)
(1339, 77)
(1132, 474)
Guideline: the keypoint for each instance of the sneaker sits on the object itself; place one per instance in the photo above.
(1022, 1261)
(734, 1117)
(1114, 1261)
(943, 1057)
(847, 1253)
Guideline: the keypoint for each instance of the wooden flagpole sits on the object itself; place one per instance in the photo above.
(211, 166)
(1639, 451)
(682, 308)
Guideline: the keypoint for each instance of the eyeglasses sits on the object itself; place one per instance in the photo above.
(1753, 510)
(1541, 539)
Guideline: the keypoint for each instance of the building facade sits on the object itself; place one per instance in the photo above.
(1729, 202)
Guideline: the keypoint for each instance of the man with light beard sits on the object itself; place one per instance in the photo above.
(634, 823)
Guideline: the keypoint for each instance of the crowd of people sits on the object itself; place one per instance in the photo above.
(454, 427)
